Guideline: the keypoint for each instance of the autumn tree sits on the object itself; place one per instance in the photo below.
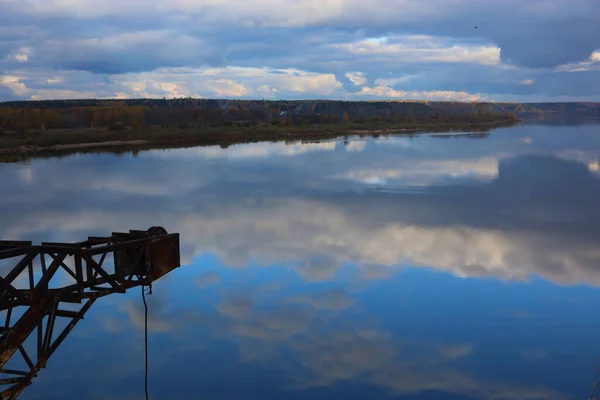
(51, 119)
(96, 118)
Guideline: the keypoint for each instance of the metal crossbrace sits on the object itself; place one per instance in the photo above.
(94, 268)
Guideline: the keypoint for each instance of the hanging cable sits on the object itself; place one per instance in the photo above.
(146, 338)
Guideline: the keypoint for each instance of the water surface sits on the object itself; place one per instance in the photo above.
(410, 268)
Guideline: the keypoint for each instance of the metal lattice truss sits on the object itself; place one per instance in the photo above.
(59, 282)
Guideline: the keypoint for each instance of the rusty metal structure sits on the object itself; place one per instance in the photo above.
(54, 282)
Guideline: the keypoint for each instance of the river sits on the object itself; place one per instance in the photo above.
(431, 267)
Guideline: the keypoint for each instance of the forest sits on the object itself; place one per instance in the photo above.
(185, 113)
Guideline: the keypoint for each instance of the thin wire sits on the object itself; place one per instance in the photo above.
(145, 341)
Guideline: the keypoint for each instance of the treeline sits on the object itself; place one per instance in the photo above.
(189, 112)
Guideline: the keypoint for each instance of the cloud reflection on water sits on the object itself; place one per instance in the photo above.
(493, 208)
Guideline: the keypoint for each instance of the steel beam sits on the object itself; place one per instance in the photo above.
(138, 258)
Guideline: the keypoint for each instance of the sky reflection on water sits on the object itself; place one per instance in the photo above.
(414, 268)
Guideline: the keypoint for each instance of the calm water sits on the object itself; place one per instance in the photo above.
(423, 268)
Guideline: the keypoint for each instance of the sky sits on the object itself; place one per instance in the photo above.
(466, 50)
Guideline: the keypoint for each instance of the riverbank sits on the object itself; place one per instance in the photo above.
(74, 140)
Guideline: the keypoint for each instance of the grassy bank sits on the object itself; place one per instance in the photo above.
(57, 140)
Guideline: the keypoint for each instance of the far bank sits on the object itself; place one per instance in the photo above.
(72, 140)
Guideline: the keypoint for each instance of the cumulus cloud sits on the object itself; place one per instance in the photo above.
(229, 82)
(14, 84)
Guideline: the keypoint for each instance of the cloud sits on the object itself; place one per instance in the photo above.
(387, 92)
(207, 279)
(356, 146)
(238, 308)
(425, 172)
(526, 140)
(227, 82)
(14, 84)
(334, 300)
(160, 319)
(226, 88)
(22, 58)
(135, 49)
(590, 64)
(395, 81)
(455, 351)
(527, 82)
(358, 78)
(314, 350)
(261, 150)
(422, 49)
(466, 220)
(590, 159)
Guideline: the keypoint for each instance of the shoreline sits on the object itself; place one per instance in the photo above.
(156, 138)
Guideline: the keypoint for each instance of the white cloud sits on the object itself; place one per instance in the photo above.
(22, 58)
(395, 81)
(14, 84)
(45, 94)
(231, 82)
(356, 146)
(358, 78)
(592, 63)
(589, 158)
(423, 49)
(425, 172)
(228, 82)
(527, 82)
(388, 92)
(226, 88)
(254, 150)
(526, 140)
(325, 237)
